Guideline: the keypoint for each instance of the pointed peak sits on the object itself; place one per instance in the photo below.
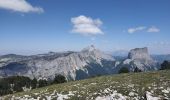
(89, 48)
(92, 46)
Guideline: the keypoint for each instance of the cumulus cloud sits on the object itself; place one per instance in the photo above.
(153, 29)
(132, 30)
(86, 25)
(19, 6)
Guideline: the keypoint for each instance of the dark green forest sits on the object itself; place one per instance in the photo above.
(14, 84)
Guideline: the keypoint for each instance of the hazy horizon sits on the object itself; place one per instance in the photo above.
(123, 51)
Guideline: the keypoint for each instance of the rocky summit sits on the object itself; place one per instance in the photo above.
(139, 54)
(140, 58)
(74, 65)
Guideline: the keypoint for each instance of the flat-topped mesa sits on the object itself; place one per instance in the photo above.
(139, 54)
(140, 58)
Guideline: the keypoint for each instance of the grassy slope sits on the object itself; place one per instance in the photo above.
(137, 83)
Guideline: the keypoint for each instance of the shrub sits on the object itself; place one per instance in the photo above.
(34, 83)
(137, 70)
(124, 70)
(42, 83)
(59, 79)
(165, 65)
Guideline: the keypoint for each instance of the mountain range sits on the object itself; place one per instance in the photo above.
(76, 65)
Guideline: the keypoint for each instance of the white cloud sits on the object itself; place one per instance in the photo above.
(153, 29)
(133, 30)
(86, 25)
(19, 6)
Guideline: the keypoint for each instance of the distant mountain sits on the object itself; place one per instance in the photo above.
(74, 65)
(161, 58)
(141, 59)
(6, 59)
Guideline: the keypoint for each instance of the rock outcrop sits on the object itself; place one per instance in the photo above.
(141, 59)
(139, 54)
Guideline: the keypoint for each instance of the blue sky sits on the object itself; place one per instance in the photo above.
(39, 26)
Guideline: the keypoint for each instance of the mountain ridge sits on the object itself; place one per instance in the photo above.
(55, 63)
(74, 65)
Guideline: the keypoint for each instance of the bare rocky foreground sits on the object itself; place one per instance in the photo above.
(133, 86)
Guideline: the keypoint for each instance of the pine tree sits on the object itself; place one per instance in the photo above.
(59, 79)
(124, 70)
(165, 65)
(137, 70)
(42, 83)
(34, 83)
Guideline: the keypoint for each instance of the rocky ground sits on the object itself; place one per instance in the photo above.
(132, 86)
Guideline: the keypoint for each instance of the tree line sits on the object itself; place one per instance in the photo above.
(14, 84)
(126, 70)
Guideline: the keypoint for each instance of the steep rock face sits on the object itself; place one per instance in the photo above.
(67, 64)
(74, 65)
(139, 54)
(141, 59)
